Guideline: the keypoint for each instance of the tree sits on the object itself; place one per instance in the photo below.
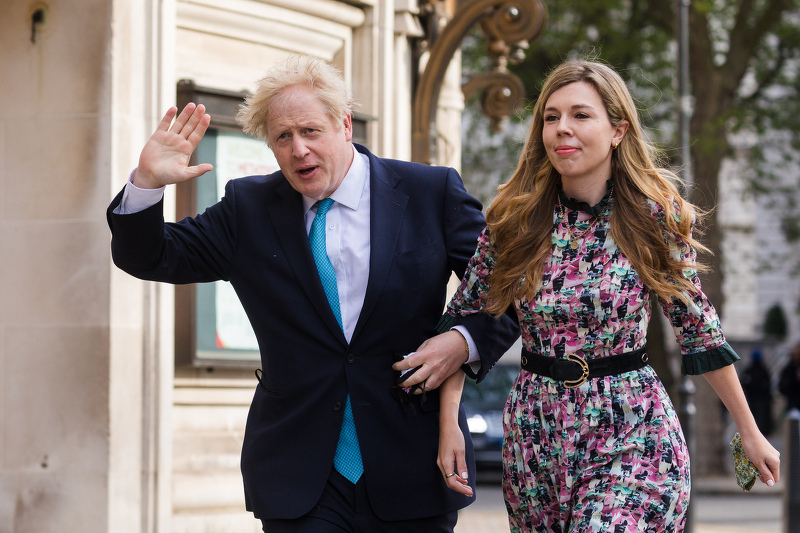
(745, 78)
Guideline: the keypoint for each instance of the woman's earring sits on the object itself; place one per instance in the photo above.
(614, 146)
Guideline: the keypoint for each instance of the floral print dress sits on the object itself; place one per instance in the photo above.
(609, 455)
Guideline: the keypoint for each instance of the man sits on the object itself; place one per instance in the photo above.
(757, 386)
(789, 380)
(335, 292)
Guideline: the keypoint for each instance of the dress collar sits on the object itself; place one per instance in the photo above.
(594, 210)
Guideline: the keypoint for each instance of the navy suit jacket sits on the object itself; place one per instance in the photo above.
(424, 227)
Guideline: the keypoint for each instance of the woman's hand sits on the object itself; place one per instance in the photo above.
(764, 456)
(452, 458)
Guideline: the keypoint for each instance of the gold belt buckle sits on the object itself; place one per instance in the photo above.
(572, 383)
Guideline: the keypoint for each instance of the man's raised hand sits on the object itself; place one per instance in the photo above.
(165, 157)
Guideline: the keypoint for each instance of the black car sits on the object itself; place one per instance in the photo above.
(483, 405)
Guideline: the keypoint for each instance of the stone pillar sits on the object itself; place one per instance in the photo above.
(448, 116)
(142, 82)
(82, 400)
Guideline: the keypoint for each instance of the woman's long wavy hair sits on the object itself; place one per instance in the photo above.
(521, 216)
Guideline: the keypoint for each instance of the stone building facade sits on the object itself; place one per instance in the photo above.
(101, 428)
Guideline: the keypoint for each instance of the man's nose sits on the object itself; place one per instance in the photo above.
(299, 148)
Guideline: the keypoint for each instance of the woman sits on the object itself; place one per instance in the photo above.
(579, 238)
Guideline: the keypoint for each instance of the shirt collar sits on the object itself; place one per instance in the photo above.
(349, 191)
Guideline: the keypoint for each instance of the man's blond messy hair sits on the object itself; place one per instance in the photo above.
(323, 78)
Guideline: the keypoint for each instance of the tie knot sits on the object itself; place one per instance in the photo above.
(323, 206)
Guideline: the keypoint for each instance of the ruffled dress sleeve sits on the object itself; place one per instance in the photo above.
(696, 325)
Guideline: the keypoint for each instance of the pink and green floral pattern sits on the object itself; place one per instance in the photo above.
(608, 456)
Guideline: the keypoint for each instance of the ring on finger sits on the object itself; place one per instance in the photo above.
(451, 474)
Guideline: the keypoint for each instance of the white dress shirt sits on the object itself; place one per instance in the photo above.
(347, 238)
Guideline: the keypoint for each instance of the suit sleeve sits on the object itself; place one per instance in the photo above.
(465, 221)
(193, 250)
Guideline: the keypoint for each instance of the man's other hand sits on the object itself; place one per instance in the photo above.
(437, 357)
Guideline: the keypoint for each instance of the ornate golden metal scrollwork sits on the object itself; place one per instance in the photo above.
(509, 25)
(502, 92)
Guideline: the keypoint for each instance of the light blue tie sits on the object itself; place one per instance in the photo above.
(348, 456)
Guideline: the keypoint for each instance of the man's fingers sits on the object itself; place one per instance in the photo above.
(198, 116)
(425, 374)
(432, 381)
(198, 170)
(166, 120)
(183, 118)
(437, 357)
(406, 363)
(413, 370)
(200, 130)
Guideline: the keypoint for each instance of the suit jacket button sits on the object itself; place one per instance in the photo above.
(337, 406)
(351, 358)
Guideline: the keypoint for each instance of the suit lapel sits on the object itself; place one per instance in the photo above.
(286, 214)
(387, 209)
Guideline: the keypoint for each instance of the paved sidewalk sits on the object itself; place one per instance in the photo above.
(482, 522)
(495, 522)
(720, 507)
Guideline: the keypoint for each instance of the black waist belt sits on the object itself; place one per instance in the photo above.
(574, 370)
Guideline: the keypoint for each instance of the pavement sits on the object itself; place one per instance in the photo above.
(718, 506)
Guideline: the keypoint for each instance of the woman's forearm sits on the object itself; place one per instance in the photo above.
(758, 449)
(725, 382)
(450, 398)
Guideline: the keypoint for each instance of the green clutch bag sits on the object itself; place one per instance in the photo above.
(746, 471)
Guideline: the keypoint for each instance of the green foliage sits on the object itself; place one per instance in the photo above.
(634, 37)
(775, 322)
(746, 55)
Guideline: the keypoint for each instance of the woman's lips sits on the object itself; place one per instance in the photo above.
(566, 150)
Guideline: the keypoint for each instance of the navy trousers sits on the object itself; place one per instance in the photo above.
(345, 508)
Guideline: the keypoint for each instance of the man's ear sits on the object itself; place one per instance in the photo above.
(348, 127)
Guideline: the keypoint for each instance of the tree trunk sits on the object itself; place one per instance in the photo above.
(709, 145)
